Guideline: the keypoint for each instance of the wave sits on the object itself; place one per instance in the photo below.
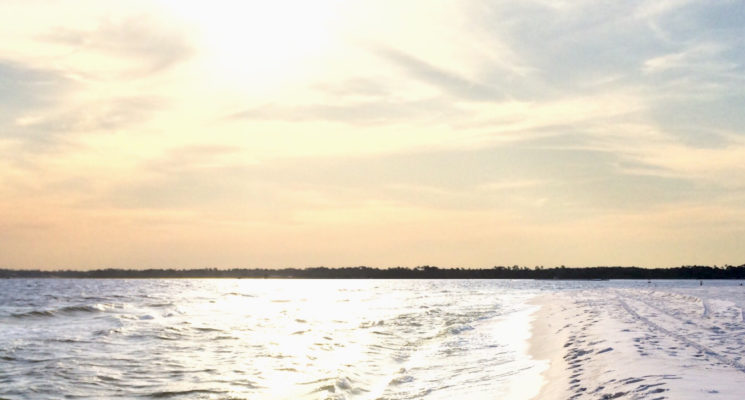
(169, 393)
(368, 324)
(34, 314)
(160, 305)
(337, 387)
(207, 329)
(452, 330)
(60, 311)
(240, 294)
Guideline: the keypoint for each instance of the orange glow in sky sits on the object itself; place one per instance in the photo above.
(382, 133)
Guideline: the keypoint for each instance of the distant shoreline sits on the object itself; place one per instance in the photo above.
(425, 272)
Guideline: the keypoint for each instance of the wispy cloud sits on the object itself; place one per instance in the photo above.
(374, 112)
(23, 87)
(44, 129)
(141, 43)
(579, 131)
(448, 82)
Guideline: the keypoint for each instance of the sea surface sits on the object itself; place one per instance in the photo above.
(272, 339)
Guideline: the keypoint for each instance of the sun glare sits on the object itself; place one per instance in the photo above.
(256, 41)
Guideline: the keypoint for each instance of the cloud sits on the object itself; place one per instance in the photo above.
(539, 184)
(25, 94)
(37, 129)
(42, 108)
(198, 176)
(150, 44)
(446, 81)
(356, 87)
(24, 87)
(719, 166)
(531, 125)
(367, 112)
(649, 9)
(697, 57)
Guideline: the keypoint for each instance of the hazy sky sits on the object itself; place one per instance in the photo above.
(381, 133)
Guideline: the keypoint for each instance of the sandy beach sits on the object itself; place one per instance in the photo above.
(640, 344)
(546, 343)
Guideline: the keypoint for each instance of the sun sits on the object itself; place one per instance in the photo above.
(259, 41)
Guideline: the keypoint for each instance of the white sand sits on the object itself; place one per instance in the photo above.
(641, 344)
(546, 343)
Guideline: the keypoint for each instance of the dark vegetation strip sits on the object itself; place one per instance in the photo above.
(423, 272)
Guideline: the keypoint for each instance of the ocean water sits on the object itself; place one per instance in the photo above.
(271, 339)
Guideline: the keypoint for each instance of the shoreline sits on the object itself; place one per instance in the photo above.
(546, 343)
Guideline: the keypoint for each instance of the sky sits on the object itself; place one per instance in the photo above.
(470, 133)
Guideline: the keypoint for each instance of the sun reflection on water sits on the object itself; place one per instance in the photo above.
(298, 339)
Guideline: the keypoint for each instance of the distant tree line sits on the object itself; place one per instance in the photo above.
(422, 272)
